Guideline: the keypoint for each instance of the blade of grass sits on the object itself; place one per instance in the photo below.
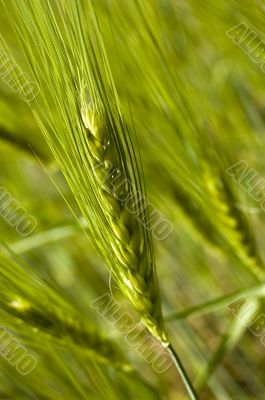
(228, 341)
(216, 304)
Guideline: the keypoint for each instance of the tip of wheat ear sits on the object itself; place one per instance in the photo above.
(133, 267)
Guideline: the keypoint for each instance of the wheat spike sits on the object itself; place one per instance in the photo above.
(233, 224)
(135, 269)
(29, 299)
(65, 327)
(88, 138)
(226, 228)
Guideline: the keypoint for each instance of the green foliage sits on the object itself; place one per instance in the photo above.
(135, 98)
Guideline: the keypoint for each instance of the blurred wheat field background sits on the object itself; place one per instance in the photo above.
(132, 199)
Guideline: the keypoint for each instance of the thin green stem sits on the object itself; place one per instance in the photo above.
(227, 342)
(45, 237)
(220, 302)
(183, 374)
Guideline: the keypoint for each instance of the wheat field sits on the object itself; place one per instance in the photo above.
(132, 199)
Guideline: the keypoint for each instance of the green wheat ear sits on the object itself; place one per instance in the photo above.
(25, 297)
(234, 226)
(134, 270)
(86, 133)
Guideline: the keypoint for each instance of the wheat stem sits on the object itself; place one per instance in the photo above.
(220, 302)
(227, 342)
(183, 374)
(46, 237)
